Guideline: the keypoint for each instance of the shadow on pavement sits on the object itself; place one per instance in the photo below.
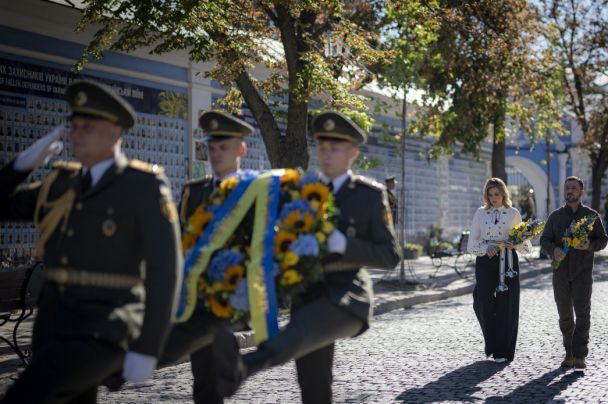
(542, 389)
(458, 385)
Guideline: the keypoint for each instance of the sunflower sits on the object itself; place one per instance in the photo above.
(290, 277)
(221, 309)
(282, 241)
(300, 222)
(315, 191)
(327, 227)
(291, 176)
(232, 277)
(228, 184)
(198, 220)
(321, 237)
(188, 242)
(289, 260)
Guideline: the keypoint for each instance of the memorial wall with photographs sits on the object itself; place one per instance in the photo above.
(32, 103)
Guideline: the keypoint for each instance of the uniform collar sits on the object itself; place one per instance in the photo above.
(339, 180)
(98, 170)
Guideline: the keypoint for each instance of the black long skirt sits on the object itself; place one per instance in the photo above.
(497, 312)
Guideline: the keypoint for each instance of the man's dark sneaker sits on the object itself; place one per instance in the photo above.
(579, 363)
(568, 361)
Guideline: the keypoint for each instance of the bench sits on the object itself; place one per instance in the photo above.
(17, 298)
(462, 257)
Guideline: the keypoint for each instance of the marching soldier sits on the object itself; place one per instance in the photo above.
(224, 137)
(109, 240)
(341, 305)
(392, 198)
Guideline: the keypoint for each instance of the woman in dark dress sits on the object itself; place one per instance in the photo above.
(496, 293)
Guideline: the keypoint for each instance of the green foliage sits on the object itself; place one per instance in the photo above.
(323, 49)
(174, 104)
(364, 162)
(577, 37)
(413, 247)
(478, 67)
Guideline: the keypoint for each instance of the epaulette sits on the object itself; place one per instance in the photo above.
(368, 182)
(146, 167)
(67, 165)
(199, 180)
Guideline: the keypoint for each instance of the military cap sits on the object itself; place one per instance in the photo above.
(94, 99)
(335, 125)
(389, 178)
(219, 125)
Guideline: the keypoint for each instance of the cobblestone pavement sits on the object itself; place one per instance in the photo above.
(433, 353)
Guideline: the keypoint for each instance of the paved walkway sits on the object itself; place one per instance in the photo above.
(422, 282)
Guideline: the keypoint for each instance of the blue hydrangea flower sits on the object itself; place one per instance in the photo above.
(275, 270)
(222, 261)
(301, 205)
(308, 178)
(306, 244)
(240, 298)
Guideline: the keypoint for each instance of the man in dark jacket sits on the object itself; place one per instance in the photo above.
(341, 305)
(224, 135)
(392, 198)
(109, 240)
(573, 279)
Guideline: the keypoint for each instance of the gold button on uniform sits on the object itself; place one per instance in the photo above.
(70, 232)
(79, 206)
(63, 260)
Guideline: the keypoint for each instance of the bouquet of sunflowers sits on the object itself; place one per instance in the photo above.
(525, 231)
(575, 234)
(221, 287)
(305, 221)
(300, 215)
(519, 234)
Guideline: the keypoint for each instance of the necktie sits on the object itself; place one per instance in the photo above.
(330, 185)
(216, 183)
(86, 181)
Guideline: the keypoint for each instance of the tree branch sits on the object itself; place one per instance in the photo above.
(262, 115)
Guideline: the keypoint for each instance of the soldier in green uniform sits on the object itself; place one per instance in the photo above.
(392, 198)
(341, 305)
(224, 137)
(109, 240)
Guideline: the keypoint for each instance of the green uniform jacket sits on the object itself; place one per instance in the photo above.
(366, 222)
(195, 193)
(126, 224)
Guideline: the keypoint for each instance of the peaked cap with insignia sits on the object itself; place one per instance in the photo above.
(219, 125)
(90, 98)
(335, 125)
(390, 178)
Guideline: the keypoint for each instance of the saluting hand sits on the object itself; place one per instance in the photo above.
(40, 151)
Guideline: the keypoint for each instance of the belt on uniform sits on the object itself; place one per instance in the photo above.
(78, 277)
(339, 266)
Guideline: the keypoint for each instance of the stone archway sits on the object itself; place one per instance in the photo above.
(537, 179)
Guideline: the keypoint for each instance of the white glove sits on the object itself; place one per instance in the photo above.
(138, 367)
(336, 242)
(40, 151)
